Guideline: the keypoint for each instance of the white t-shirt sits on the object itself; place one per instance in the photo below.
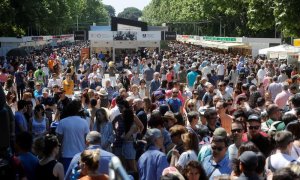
(206, 70)
(232, 152)
(280, 160)
(73, 129)
(185, 157)
(261, 74)
(53, 82)
(220, 70)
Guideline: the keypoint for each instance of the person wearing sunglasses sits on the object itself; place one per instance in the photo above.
(237, 132)
(218, 163)
(256, 135)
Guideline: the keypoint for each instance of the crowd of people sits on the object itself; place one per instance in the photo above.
(181, 113)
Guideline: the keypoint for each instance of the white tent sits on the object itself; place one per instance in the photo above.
(284, 48)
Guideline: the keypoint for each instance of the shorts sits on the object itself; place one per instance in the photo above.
(128, 150)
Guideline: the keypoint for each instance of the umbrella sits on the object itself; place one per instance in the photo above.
(17, 52)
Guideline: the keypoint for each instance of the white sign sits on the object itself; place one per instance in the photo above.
(148, 44)
(273, 55)
(149, 36)
(283, 56)
(123, 27)
(102, 43)
(100, 35)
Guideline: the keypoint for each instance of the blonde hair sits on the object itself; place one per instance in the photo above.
(91, 159)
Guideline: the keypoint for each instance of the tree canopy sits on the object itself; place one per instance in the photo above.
(45, 17)
(111, 10)
(130, 13)
(260, 18)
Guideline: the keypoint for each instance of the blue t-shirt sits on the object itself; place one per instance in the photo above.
(174, 104)
(29, 163)
(191, 76)
(20, 122)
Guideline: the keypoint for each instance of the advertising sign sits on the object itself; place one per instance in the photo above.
(297, 42)
(168, 36)
(149, 36)
(100, 35)
(124, 35)
(79, 36)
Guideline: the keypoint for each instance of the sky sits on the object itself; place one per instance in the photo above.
(120, 5)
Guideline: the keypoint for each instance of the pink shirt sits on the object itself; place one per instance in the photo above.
(282, 98)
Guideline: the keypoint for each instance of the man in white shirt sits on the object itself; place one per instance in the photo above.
(206, 70)
(274, 88)
(261, 74)
(54, 81)
(221, 71)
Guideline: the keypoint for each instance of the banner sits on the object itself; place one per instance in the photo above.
(168, 36)
(100, 35)
(124, 35)
(297, 42)
(79, 36)
(273, 55)
(85, 53)
(101, 43)
(149, 36)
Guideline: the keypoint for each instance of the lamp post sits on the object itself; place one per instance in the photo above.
(77, 22)
(220, 27)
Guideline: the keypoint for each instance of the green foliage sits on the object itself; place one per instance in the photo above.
(46, 17)
(237, 17)
(111, 10)
(130, 13)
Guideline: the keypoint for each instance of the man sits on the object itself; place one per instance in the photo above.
(282, 77)
(20, 120)
(62, 103)
(211, 117)
(54, 81)
(248, 164)
(207, 99)
(255, 135)
(148, 74)
(282, 158)
(155, 83)
(221, 91)
(282, 98)
(38, 92)
(295, 104)
(206, 70)
(48, 103)
(218, 163)
(39, 75)
(138, 106)
(174, 102)
(191, 77)
(193, 118)
(274, 114)
(19, 80)
(237, 132)
(71, 132)
(221, 71)
(93, 141)
(274, 88)
(152, 163)
(225, 119)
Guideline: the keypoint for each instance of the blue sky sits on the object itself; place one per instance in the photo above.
(120, 5)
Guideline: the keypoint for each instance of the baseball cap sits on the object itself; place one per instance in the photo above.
(220, 132)
(249, 158)
(254, 117)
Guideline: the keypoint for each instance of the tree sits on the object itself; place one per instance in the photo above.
(111, 10)
(130, 13)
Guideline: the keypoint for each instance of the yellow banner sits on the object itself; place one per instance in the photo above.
(297, 42)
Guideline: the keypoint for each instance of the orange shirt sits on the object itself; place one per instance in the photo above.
(68, 87)
(50, 64)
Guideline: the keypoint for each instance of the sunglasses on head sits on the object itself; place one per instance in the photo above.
(214, 148)
(236, 130)
(254, 127)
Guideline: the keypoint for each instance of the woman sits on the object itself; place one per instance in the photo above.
(131, 127)
(30, 79)
(11, 100)
(49, 168)
(194, 171)
(294, 128)
(39, 123)
(89, 164)
(233, 75)
(144, 92)
(191, 147)
(92, 112)
(104, 127)
(190, 105)
(134, 92)
(68, 86)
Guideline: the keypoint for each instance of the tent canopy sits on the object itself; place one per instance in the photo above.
(284, 48)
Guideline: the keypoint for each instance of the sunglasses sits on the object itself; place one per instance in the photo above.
(214, 148)
(236, 130)
(253, 127)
